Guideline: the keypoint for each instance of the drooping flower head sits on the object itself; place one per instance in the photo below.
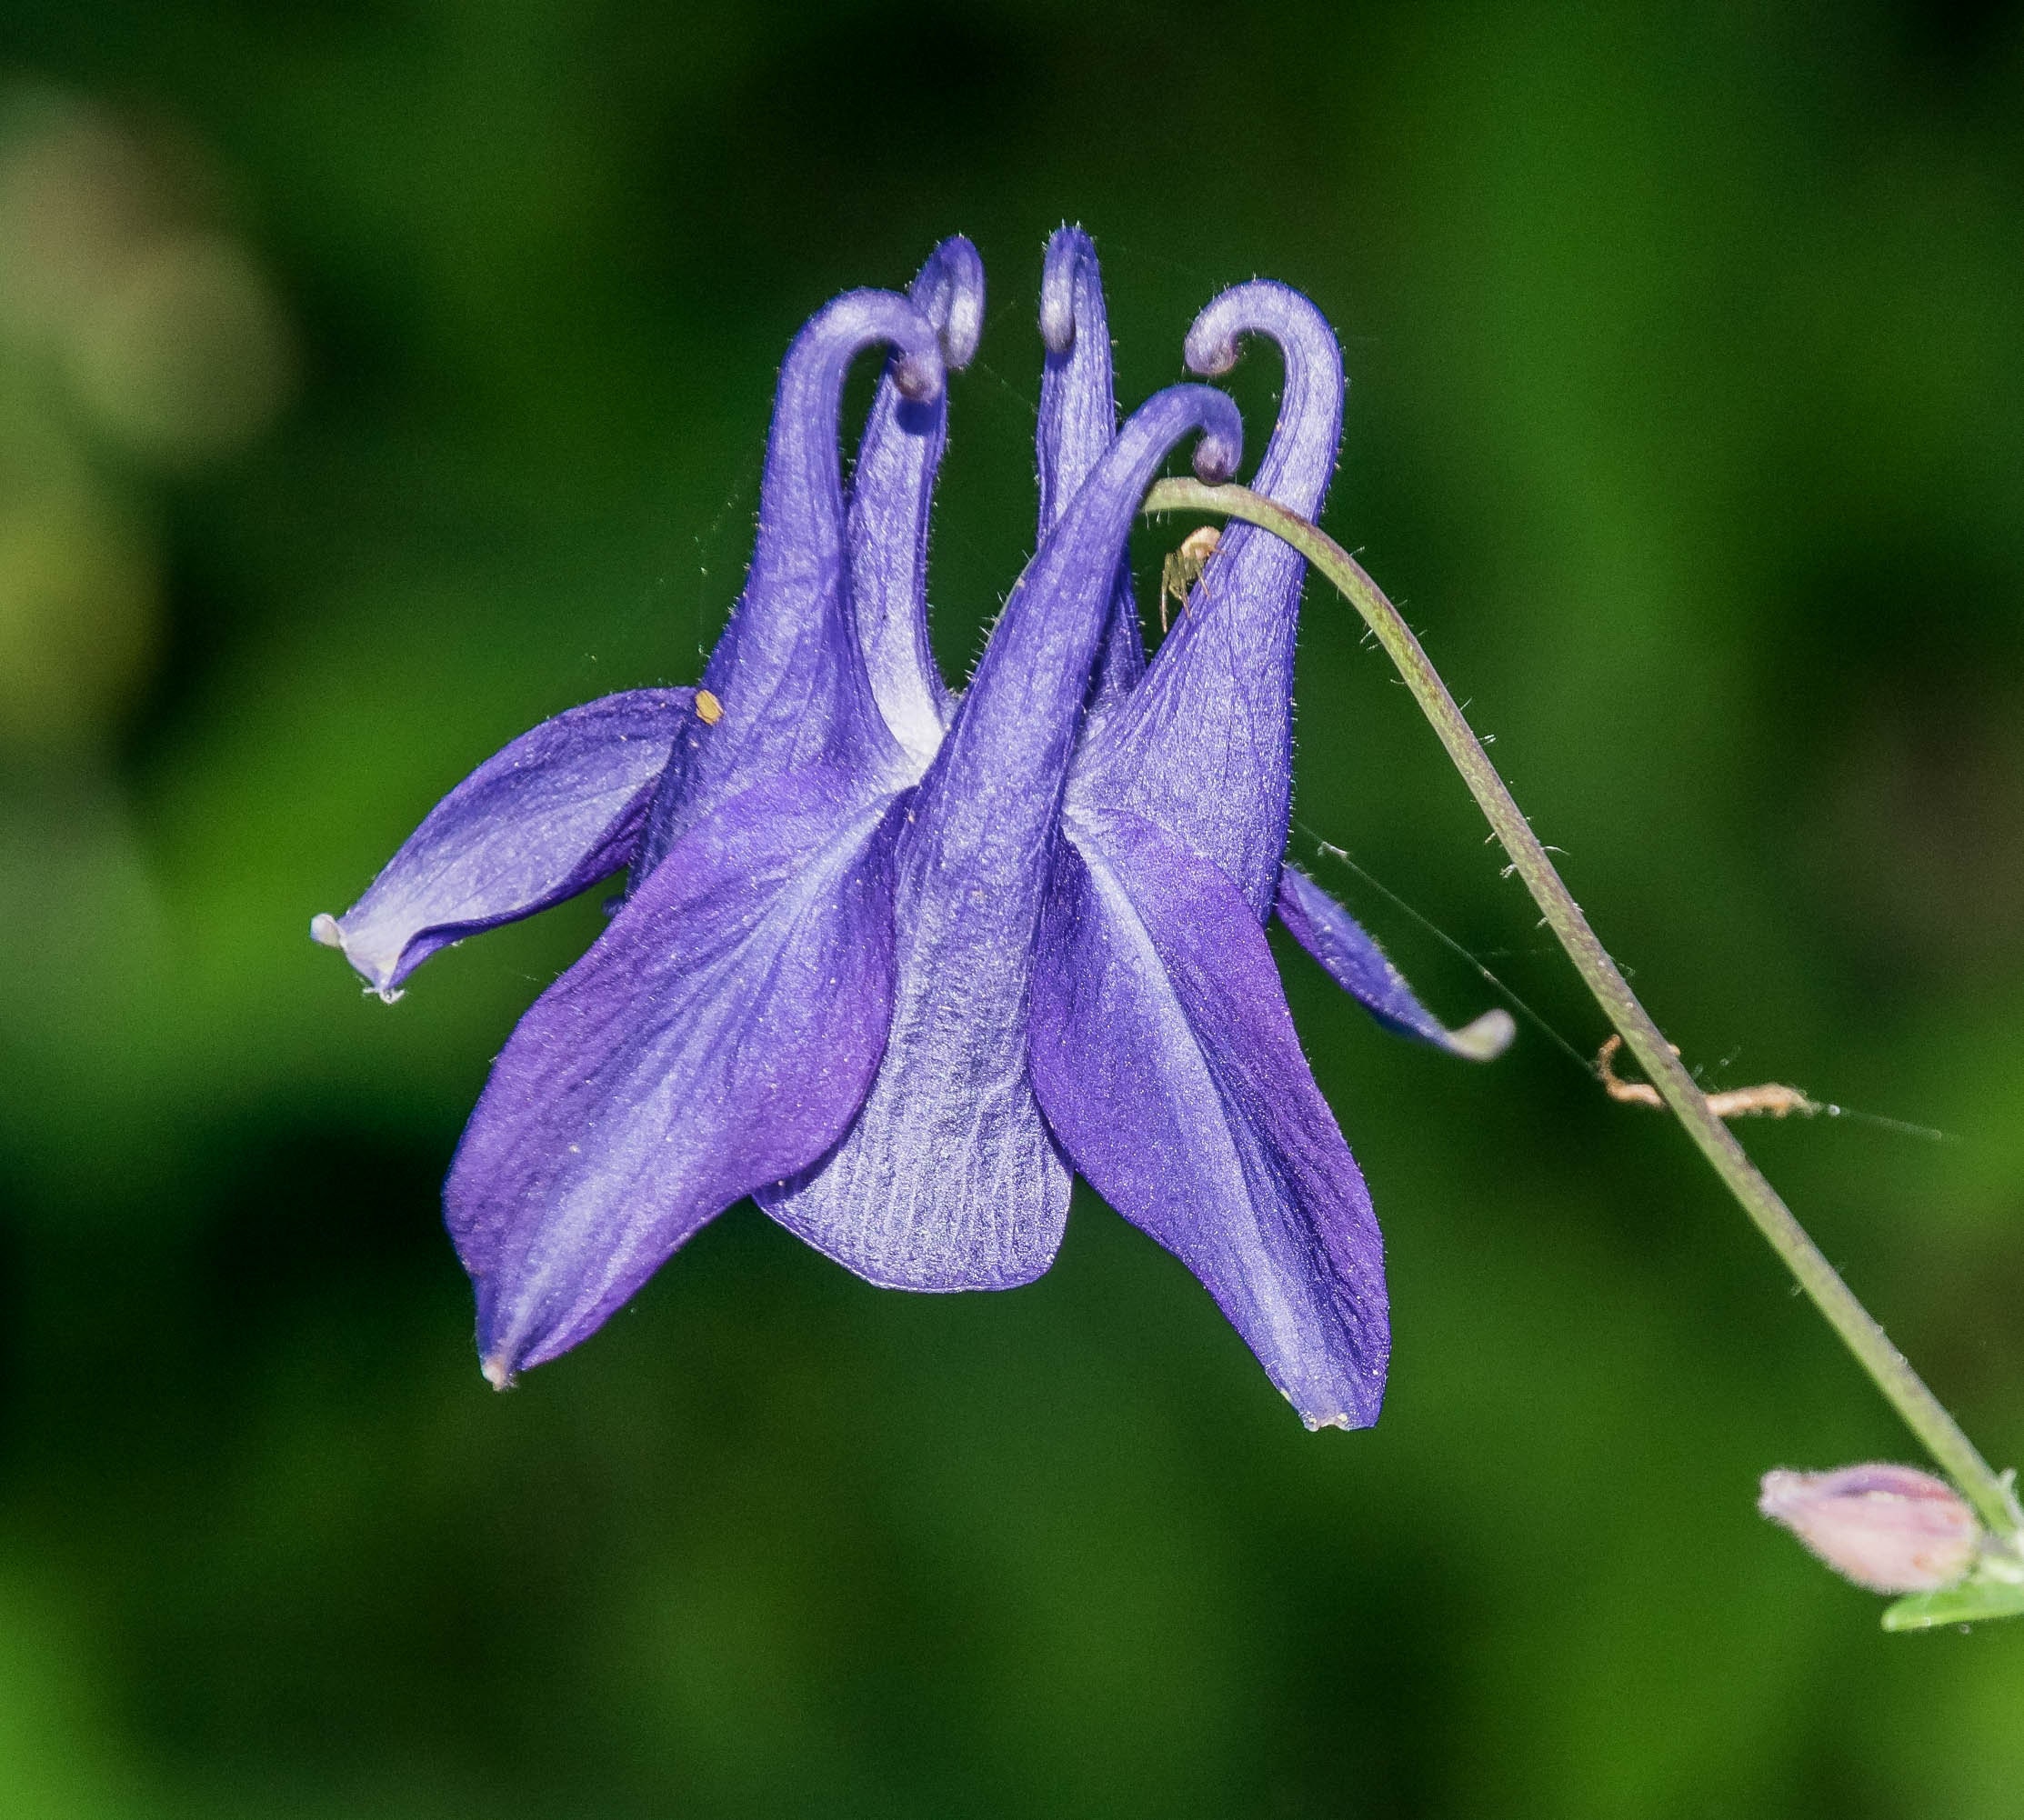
(890, 961)
(830, 954)
(814, 894)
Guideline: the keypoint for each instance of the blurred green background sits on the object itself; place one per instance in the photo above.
(378, 376)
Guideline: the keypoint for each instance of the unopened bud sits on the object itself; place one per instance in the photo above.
(1889, 1528)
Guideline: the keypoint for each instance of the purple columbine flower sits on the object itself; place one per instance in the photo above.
(857, 903)
(822, 884)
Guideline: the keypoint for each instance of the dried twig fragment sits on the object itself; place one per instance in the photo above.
(1771, 1100)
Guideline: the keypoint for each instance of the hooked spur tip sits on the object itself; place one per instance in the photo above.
(497, 1372)
(1067, 251)
(919, 378)
(1484, 1038)
(1216, 458)
(1210, 351)
(955, 272)
(1261, 306)
(324, 929)
(1057, 322)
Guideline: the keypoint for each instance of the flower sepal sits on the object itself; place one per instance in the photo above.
(1989, 1592)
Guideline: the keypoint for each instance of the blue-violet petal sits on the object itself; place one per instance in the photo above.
(1167, 1065)
(718, 1036)
(1077, 422)
(892, 488)
(1204, 745)
(560, 808)
(948, 1179)
(1352, 958)
(788, 670)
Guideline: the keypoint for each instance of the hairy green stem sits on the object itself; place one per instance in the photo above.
(1922, 1411)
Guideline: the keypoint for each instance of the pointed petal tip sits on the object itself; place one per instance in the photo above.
(497, 1372)
(1347, 1420)
(1484, 1038)
(328, 932)
(1354, 1402)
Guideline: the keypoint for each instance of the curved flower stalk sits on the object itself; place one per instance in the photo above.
(568, 804)
(1995, 1586)
(1163, 1053)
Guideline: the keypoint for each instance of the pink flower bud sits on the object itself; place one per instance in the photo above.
(1889, 1528)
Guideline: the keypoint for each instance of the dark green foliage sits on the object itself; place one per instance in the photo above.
(1687, 421)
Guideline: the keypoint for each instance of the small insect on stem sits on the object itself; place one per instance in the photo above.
(1183, 568)
(1771, 1100)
